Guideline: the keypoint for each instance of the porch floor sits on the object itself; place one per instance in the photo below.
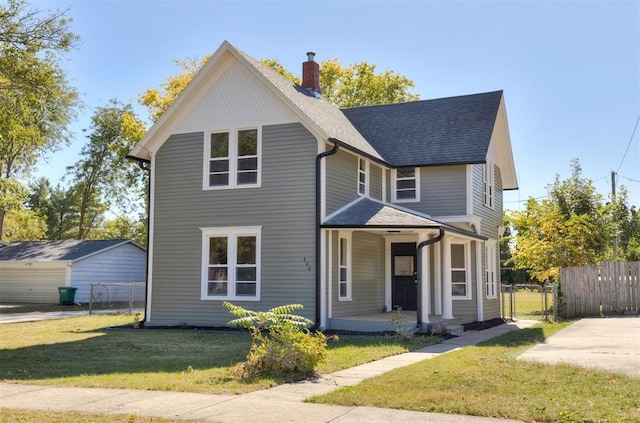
(390, 321)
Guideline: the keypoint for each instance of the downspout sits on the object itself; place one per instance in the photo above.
(319, 158)
(146, 166)
(419, 272)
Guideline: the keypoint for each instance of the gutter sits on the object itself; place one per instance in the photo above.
(145, 165)
(419, 272)
(319, 158)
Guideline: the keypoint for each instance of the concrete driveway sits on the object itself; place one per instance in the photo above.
(607, 343)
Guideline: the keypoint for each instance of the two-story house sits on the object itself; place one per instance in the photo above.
(263, 194)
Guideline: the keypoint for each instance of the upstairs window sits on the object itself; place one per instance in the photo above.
(488, 185)
(406, 184)
(233, 159)
(363, 177)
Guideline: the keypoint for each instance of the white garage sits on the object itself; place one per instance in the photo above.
(32, 272)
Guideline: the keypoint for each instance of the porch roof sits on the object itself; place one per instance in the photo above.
(367, 213)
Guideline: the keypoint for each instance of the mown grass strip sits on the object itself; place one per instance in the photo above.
(488, 380)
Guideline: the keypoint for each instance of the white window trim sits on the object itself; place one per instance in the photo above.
(394, 192)
(491, 284)
(231, 233)
(467, 269)
(367, 174)
(488, 185)
(349, 265)
(233, 159)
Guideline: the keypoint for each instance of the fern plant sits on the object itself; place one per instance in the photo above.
(282, 346)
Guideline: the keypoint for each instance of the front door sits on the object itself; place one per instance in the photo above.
(404, 289)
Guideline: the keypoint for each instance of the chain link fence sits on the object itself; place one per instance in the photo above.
(529, 302)
(117, 296)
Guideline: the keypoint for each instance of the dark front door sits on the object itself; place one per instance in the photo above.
(404, 289)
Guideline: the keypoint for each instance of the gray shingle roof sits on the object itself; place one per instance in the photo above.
(452, 130)
(68, 250)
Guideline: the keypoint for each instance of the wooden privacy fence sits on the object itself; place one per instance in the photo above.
(606, 288)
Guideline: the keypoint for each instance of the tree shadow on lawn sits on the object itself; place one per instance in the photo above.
(131, 351)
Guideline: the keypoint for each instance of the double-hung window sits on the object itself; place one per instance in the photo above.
(363, 177)
(231, 263)
(233, 159)
(344, 266)
(459, 271)
(492, 280)
(406, 184)
(488, 185)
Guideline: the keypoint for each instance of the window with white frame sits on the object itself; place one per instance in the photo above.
(488, 185)
(460, 270)
(363, 177)
(406, 184)
(492, 279)
(231, 263)
(233, 159)
(344, 266)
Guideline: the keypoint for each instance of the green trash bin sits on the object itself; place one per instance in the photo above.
(67, 294)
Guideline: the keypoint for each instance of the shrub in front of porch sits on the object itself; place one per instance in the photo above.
(282, 346)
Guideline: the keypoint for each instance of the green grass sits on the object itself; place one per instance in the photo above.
(82, 351)
(21, 416)
(487, 380)
(528, 304)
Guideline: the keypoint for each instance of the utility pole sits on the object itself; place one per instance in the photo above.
(615, 224)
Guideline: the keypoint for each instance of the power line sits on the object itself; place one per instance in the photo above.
(629, 144)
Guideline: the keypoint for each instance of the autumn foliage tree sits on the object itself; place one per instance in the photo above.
(571, 227)
(351, 86)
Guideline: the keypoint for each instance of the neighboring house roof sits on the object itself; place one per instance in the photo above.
(369, 213)
(67, 250)
(444, 131)
(454, 130)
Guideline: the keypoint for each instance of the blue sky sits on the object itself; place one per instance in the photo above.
(570, 70)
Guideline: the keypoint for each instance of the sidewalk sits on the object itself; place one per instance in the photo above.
(280, 404)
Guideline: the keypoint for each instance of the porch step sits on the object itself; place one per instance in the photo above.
(455, 330)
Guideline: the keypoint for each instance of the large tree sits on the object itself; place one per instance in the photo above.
(354, 85)
(36, 100)
(103, 176)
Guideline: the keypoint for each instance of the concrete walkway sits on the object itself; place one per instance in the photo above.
(283, 403)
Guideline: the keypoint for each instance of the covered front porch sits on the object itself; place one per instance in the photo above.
(378, 259)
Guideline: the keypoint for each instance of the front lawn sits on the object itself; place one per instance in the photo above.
(83, 351)
(487, 380)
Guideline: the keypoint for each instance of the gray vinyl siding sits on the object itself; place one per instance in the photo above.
(283, 206)
(443, 191)
(375, 188)
(367, 290)
(491, 219)
(342, 180)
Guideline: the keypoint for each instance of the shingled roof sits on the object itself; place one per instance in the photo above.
(443, 131)
(66, 250)
(369, 213)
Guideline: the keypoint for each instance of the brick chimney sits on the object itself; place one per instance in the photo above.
(311, 73)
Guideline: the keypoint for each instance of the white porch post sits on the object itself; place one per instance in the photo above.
(447, 301)
(437, 278)
(425, 284)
